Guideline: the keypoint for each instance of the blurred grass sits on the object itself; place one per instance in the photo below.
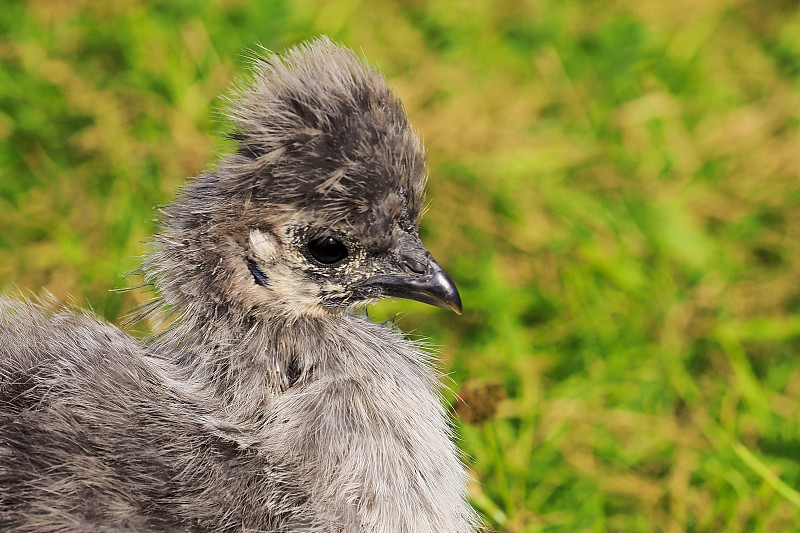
(615, 189)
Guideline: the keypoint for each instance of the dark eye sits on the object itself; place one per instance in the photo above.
(327, 250)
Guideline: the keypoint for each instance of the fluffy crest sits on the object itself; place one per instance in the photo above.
(320, 130)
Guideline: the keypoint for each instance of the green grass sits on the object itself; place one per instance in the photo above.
(615, 188)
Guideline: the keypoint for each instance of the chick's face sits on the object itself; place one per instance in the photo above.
(314, 268)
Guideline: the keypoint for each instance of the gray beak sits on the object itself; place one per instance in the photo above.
(419, 277)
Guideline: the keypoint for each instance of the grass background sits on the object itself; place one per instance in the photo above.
(615, 189)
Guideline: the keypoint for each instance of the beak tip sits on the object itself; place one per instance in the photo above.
(444, 292)
(455, 305)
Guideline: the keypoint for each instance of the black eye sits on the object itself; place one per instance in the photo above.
(327, 250)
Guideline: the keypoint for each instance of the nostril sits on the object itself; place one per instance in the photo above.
(413, 265)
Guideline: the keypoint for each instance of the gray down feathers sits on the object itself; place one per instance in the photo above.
(264, 404)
